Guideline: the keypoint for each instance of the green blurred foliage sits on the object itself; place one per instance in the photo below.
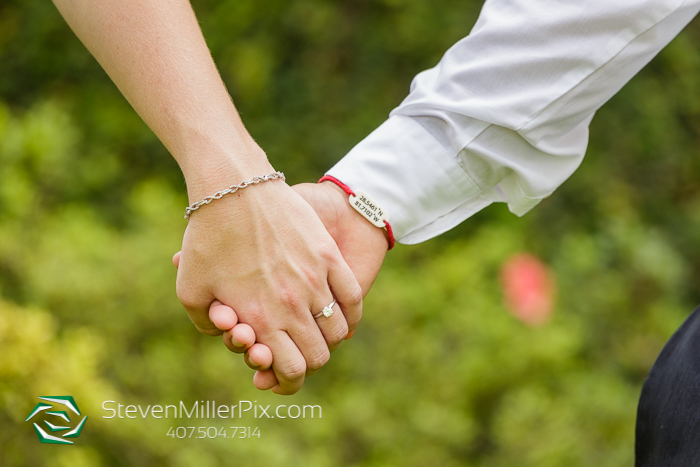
(438, 373)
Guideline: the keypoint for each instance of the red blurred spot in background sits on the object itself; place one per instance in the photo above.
(528, 288)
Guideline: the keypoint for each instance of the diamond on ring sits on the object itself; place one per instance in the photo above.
(327, 311)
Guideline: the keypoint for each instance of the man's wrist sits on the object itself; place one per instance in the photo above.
(360, 225)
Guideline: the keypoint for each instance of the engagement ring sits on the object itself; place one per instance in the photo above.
(327, 312)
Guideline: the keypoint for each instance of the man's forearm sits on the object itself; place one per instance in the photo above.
(504, 116)
(155, 53)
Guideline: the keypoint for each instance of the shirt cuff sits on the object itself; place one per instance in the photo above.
(413, 178)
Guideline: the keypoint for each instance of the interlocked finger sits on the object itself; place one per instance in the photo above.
(289, 364)
(347, 292)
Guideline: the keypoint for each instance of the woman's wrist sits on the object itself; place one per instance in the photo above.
(209, 171)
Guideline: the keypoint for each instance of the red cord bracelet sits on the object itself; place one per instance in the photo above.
(348, 190)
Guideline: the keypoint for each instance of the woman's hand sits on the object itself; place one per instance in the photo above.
(264, 252)
(362, 245)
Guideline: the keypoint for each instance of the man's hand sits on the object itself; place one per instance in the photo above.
(362, 245)
(264, 252)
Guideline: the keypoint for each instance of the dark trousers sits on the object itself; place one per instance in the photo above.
(668, 417)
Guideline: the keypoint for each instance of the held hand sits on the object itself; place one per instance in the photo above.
(264, 252)
(362, 245)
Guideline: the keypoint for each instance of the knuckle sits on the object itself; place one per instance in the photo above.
(338, 334)
(257, 316)
(355, 296)
(294, 371)
(313, 279)
(353, 311)
(329, 252)
(290, 297)
(254, 316)
(188, 296)
(318, 360)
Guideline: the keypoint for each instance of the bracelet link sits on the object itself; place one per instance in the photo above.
(232, 189)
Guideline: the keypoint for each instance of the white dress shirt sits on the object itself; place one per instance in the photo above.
(504, 116)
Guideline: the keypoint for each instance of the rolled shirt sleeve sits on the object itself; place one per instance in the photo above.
(504, 116)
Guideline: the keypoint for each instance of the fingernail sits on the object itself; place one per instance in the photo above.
(236, 343)
(350, 334)
(250, 362)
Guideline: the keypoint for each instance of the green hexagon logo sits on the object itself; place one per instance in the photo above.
(56, 419)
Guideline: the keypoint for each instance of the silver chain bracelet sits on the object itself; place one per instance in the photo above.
(232, 189)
